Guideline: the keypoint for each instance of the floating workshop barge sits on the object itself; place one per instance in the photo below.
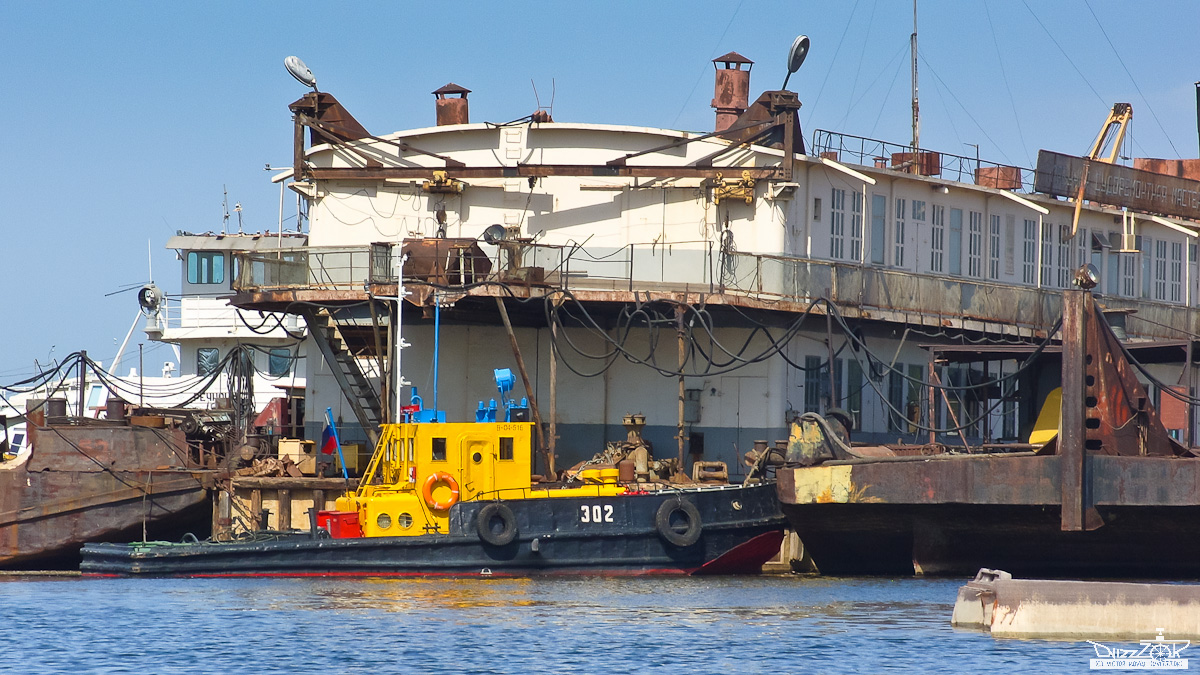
(688, 276)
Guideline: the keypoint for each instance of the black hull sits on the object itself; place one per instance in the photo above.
(1151, 542)
(741, 528)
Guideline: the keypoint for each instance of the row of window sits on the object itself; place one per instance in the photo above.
(991, 252)
(279, 361)
(438, 448)
(208, 267)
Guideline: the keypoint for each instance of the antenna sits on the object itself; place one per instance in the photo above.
(225, 210)
(300, 71)
(796, 56)
(237, 207)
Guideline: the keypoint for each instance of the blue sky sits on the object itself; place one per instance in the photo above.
(126, 120)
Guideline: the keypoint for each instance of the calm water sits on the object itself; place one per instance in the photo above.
(591, 625)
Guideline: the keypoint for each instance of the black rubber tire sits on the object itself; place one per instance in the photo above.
(487, 517)
(662, 522)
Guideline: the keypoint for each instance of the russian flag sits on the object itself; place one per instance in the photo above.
(328, 441)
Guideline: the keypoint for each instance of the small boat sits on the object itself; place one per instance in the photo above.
(459, 499)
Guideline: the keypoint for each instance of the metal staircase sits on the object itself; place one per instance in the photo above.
(358, 390)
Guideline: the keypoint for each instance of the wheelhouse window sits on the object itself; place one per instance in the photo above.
(506, 448)
(207, 359)
(205, 267)
(279, 362)
(439, 449)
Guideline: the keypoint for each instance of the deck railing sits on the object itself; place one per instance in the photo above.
(872, 152)
(702, 267)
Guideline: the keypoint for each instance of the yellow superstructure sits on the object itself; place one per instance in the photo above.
(420, 470)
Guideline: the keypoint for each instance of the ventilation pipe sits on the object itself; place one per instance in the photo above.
(452, 105)
(731, 91)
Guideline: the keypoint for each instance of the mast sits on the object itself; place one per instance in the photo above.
(916, 115)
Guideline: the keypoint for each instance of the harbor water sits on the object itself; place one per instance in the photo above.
(546, 625)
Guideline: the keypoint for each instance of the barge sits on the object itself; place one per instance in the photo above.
(1100, 496)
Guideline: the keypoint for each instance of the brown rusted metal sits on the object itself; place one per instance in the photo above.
(88, 483)
(779, 107)
(1180, 168)
(1070, 447)
(731, 88)
(999, 177)
(445, 262)
(1091, 500)
(541, 170)
(1060, 175)
(1121, 420)
(322, 107)
(930, 163)
(452, 109)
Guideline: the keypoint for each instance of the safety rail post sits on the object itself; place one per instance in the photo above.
(631, 268)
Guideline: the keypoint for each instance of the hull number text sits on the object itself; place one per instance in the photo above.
(596, 513)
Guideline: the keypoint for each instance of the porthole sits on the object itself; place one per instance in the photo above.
(404, 520)
(384, 521)
(477, 458)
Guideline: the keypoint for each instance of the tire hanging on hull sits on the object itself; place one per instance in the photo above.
(690, 532)
(489, 518)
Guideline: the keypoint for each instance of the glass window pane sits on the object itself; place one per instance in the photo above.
(279, 362)
(207, 359)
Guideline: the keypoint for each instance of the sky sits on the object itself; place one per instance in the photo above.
(129, 121)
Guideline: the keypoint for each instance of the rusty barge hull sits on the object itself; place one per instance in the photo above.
(1112, 494)
(957, 513)
(81, 483)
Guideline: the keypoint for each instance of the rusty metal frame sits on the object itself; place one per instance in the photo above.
(329, 130)
(618, 167)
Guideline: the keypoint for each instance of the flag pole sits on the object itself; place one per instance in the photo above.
(338, 441)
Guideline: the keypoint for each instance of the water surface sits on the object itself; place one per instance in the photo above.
(551, 625)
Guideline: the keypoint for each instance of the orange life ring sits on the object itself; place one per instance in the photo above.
(427, 490)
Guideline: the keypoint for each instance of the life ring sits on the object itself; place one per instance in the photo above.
(491, 516)
(427, 490)
(685, 531)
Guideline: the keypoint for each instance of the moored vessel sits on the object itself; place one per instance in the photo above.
(444, 498)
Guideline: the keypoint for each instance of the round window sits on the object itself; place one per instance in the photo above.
(477, 458)
(384, 521)
(404, 520)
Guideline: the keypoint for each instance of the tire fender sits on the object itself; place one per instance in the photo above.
(681, 508)
(491, 515)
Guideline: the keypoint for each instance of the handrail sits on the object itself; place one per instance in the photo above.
(877, 153)
(700, 266)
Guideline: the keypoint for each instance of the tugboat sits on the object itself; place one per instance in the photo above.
(458, 499)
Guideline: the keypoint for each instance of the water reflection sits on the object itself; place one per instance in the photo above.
(506, 625)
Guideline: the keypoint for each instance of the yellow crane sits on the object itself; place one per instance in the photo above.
(1118, 121)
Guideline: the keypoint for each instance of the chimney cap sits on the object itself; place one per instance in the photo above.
(451, 88)
(732, 57)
